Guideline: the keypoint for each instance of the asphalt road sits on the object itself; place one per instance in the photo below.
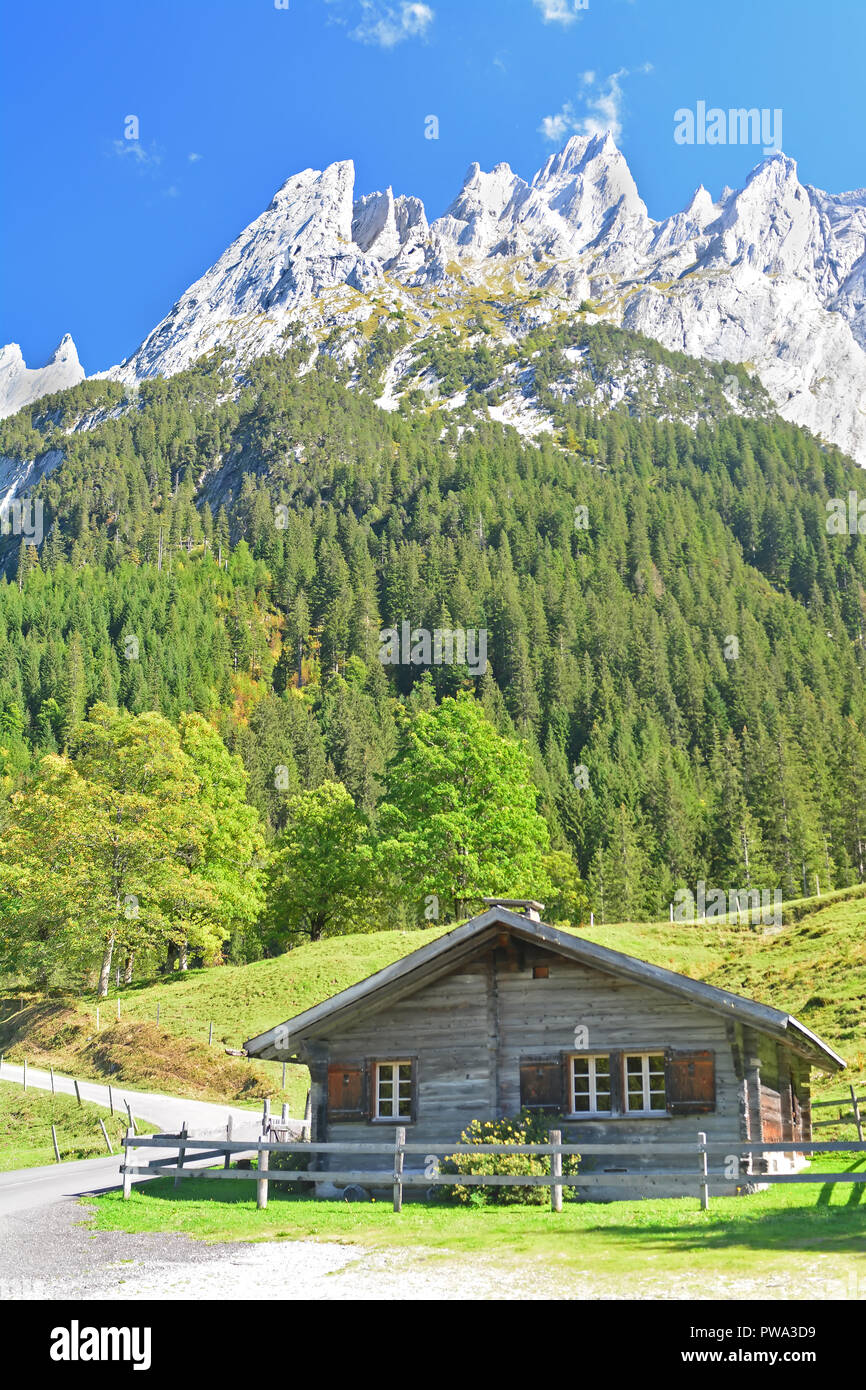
(25, 1188)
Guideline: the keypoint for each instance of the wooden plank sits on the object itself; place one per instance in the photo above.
(702, 1161)
(843, 1100)
(181, 1154)
(381, 1180)
(399, 1141)
(262, 1183)
(855, 1105)
(555, 1170)
(127, 1179)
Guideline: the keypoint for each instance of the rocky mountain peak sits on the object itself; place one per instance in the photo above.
(21, 385)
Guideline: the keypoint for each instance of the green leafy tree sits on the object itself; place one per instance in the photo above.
(323, 877)
(459, 818)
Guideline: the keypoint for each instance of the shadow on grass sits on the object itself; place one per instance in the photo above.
(732, 1222)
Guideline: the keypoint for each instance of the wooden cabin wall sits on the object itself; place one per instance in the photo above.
(470, 1030)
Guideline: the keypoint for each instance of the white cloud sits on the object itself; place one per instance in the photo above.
(134, 150)
(601, 108)
(387, 25)
(559, 11)
(193, 157)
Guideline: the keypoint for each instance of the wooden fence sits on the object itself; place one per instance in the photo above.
(699, 1178)
(853, 1117)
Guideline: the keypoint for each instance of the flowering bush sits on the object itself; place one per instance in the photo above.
(529, 1127)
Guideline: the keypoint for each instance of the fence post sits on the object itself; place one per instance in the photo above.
(181, 1153)
(284, 1114)
(131, 1120)
(25, 1073)
(77, 1092)
(262, 1184)
(702, 1161)
(555, 1137)
(210, 1036)
(228, 1160)
(399, 1141)
(110, 1098)
(856, 1108)
(105, 1136)
(51, 1069)
(54, 1141)
(308, 1112)
(127, 1176)
(266, 1114)
(284, 1076)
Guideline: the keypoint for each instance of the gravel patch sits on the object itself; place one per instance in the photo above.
(86, 1264)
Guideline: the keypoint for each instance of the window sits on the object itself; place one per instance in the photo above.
(393, 1091)
(645, 1082)
(590, 1085)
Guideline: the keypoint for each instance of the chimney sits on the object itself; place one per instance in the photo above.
(526, 907)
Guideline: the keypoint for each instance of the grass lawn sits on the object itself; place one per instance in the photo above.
(26, 1118)
(806, 1232)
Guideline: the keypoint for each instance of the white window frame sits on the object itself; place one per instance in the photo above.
(591, 1058)
(393, 1067)
(646, 1108)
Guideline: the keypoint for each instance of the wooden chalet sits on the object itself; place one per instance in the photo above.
(506, 1011)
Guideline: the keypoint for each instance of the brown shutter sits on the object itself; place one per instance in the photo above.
(541, 1083)
(617, 1084)
(690, 1082)
(346, 1098)
(371, 1089)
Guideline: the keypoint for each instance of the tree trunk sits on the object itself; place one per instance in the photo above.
(182, 957)
(105, 971)
(127, 970)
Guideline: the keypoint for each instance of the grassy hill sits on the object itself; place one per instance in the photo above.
(26, 1118)
(815, 967)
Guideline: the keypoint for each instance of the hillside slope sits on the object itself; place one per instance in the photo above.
(815, 968)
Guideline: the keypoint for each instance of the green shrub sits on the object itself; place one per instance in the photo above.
(529, 1127)
(295, 1162)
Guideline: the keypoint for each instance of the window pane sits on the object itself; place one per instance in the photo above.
(602, 1067)
(581, 1102)
(581, 1066)
(581, 1084)
(405, 1108)
(406, 1071)
(634, 1065)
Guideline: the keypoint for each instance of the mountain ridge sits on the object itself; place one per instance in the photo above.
(772, 275)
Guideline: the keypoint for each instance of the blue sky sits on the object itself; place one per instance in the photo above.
(100, 234)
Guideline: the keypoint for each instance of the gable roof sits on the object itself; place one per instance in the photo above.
(439, 957)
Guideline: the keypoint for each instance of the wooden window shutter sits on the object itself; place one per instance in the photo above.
(346, 1092)
(541, 1083)
(617, 1084)
(690, 1082)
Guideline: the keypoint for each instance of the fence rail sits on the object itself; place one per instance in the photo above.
(699, 1179)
